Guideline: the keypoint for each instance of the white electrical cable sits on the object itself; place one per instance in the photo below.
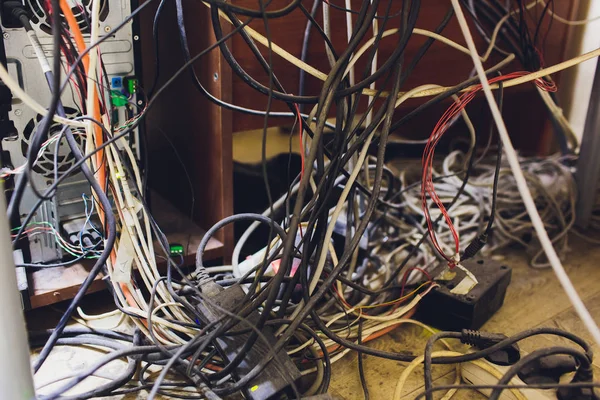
(327, 30)
(219, 269)
(237, 250)
(373, 68)
(142, 242)
(91, 74)
(30, 102)
(513, 160)
(348, 5)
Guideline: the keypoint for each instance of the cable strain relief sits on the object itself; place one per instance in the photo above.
(475, 246)
(585, 373)
(203, 277)
(14, 8)
(18, 11)
(470, 337)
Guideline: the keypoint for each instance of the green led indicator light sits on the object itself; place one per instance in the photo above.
(176, 249)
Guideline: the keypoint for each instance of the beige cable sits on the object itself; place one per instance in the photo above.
(566, 21)
(432, 92)
(445, 353)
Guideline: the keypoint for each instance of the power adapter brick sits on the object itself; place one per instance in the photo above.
(446, 309)
(280, 373)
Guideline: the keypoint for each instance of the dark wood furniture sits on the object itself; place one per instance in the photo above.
(185, 129)
(53, 285)
(526, 117)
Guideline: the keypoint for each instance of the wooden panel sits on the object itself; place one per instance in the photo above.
(52, 285)
(441, 65)
(186, 129)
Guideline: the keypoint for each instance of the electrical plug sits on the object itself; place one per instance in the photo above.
(14, 14)
(482, 340)
(583, 374)
(548, 369)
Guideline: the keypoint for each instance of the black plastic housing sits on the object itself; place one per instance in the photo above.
(452, 312)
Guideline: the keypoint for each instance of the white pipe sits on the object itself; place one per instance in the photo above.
(513, 160)
(16, 381)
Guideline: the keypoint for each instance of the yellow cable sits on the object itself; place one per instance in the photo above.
(426, 93)
(525, 78)
(444, 353)
(415, 363)
(278, 50)
(566, 21)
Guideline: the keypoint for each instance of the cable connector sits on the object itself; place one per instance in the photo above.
(482, 340)
(585, 373)
(14, 15)
(454, 261)
(475, 246)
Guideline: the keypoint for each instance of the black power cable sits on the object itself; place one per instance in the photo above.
(542, 386)
(361, 370)
(111, 234)
(474, 337)
(329, 161)
(477, 244)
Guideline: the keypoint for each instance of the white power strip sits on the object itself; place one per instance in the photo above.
(475, 375)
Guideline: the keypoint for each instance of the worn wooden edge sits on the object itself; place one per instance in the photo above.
(53, 285)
